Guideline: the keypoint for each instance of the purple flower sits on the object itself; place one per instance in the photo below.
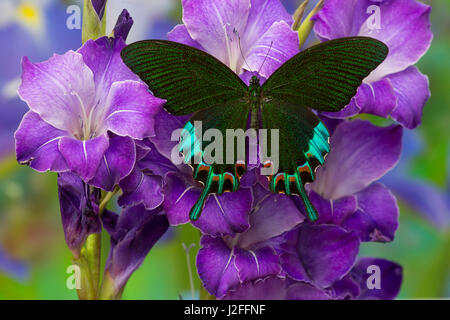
(133, 234)
(86, 107)
(240, 33)
(396, 88)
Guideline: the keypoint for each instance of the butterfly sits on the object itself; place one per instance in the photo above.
(323, 77)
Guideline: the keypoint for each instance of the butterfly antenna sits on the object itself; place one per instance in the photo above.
(270, 48)
(242, 54)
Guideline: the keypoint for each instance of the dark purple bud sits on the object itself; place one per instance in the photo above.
(133, 234)
(99, 6)
(79, 210)
(123, 25)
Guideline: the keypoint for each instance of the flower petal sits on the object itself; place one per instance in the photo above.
(165, 125)
(270, 288)
(215, 265)
(210, 21)
(390, 278)
(333, 211)
(37, 144)
(377, 216)
(377, 98)
(226, 214)
(412, 91)
(141, 187)
(319, 254)
(257, 263)
(346, 288)
(131, 110)
(361, 153)
(102, 56)
(339, 19)
(156, 162)
(268, 54)
(272, 215)
(84, 157)
(263, 14)
(305, 291)
(180, 34)
(405, 29)
(60, 89)
(116, 164)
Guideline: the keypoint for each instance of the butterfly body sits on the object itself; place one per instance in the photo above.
(324, 77)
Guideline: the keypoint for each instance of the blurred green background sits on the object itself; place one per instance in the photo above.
(32, 246)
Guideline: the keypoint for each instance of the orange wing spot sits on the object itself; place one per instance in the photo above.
(304, 168)
(228, 176)
(240, 169)
(267, 164)
(216, 178)
(203, 167)
(292, 178)
(278, 178)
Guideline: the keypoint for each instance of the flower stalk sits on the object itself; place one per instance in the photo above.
(94, 26)
(298, 14)
(307, 25)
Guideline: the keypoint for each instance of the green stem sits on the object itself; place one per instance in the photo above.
(89, 258)
(108, 196)
(93, 258)
(108, 290)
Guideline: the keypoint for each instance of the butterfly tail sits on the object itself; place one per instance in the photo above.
(197, 209)
(310, 210)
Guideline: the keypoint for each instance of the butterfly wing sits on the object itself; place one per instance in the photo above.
(217, 175)
(192, 81)
(324, 77)
(189, 79)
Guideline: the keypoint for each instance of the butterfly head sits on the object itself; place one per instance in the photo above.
(254, 81)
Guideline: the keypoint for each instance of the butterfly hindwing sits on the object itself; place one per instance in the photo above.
(222, 174)
(189, 79)
(324, 77)
(303, 145)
